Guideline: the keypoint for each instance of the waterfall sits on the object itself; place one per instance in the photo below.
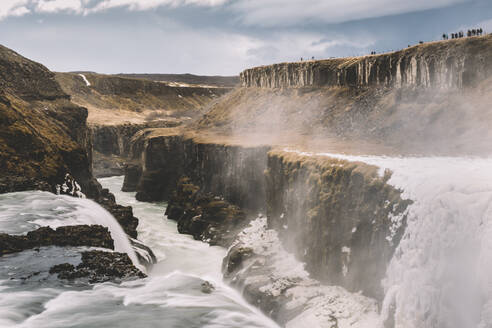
(25, 211)
(441, 273)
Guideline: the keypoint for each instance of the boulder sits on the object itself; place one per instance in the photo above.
(80, 235)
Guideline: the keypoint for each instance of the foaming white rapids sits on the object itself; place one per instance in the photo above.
(441, 273)
(173, 250)
(322, 306)
(25, 211)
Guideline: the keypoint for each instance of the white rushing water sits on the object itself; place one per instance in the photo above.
(25, 211)
(441, 273)
(87, 83)
(170, 297)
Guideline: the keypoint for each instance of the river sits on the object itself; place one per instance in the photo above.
(171, 296)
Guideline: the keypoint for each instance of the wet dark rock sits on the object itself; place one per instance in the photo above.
(99, 266)
(80, 235)
(122, 214)
(207, 287)
(19, 183)
(235, 259)
(60, 268)
(133, 172)
(204, 216)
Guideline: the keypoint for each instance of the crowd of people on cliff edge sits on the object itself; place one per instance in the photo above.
(461, 34)
(445, 36)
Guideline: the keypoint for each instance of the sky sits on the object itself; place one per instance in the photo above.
(222, 37)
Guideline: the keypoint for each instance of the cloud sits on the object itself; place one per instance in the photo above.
(12, 8)
(53, 6)
(151, 4)
(248, 12)
(293, 45)
(292, 12)
(22, 7)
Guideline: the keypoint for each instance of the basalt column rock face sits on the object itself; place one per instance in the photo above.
(114, 145)
(231, 171)
(340, 218)
(456, 63)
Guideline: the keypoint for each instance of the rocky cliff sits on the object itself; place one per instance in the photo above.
(45, 143)
(116, 146)
(340, 218)
(454, 63)
(232, 171)
(43, 135)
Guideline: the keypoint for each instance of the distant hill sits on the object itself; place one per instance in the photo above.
(221, 81)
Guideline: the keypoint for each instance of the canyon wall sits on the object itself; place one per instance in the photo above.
(342, 219)
(454, 63)
(232, 171)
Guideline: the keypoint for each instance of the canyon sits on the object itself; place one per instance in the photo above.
(297, 173)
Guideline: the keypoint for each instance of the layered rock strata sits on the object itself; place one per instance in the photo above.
(455, 63)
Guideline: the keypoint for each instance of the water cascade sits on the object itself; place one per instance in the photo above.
(440, 273)
(184, 289)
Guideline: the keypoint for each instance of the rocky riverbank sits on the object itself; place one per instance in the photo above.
(45, 144)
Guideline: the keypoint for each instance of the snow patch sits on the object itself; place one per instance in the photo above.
(87, 83)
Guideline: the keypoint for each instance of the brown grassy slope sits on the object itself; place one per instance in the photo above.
(219, 81)
(110, 97)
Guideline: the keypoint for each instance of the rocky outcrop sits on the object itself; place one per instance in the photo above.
(114, 145)
(43, 136)
(99, 266)
(454, 63)
(133, 172)
(204, 216)
(80, 235)
(122, 214)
